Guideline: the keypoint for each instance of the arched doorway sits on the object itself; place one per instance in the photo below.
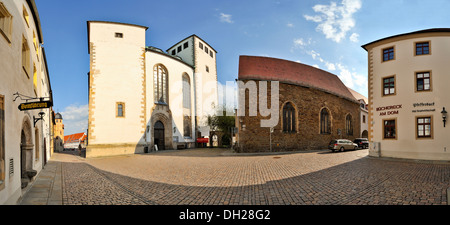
(365, 134)
(159, 135)
(26, 153)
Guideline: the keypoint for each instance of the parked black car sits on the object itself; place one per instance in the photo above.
(362, 142)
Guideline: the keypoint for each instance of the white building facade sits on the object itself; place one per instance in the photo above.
(142, 98)
(409, 95)
(25, 136)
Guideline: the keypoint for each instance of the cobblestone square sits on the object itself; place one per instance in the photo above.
(220, 177)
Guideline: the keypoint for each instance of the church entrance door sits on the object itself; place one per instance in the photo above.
(159, 135)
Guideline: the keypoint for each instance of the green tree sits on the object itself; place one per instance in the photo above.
(222, 122)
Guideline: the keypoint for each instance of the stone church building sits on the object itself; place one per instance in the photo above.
(314, 107)
(142, 98)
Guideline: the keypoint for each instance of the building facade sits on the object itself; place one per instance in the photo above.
(25, 136)
(75, 141)
(315, 107)
(364, 112)
(142, 98)
(408, 95)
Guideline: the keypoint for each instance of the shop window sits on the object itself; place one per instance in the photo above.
(389, 127)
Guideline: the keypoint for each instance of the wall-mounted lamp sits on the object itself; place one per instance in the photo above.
(444, 115)
(41, 114)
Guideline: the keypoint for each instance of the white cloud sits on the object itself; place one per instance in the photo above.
(226, 18)
(335, 20)
(330, 66)
(354, 37)
(299, 42)
(75, 118)
(290, 25)
(349, 77)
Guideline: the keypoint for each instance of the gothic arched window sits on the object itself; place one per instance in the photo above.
(289, 125)
(349, 125)
(160, 80)
(325, 122)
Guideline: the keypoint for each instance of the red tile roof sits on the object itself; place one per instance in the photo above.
(74, 138)
(272, 69)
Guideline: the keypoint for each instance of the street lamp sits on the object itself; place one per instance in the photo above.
(444, 115)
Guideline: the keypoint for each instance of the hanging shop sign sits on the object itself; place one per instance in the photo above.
(35, 105)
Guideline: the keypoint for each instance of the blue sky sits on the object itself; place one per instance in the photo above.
(327, 34)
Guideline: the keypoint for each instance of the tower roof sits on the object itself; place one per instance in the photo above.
(58, 116)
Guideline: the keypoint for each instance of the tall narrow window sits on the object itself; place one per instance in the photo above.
(424, 127)
(5, 22)
(325, 122)
(289, 124)
(160, 83)
(25, 16)
(186, 92)
(2, 142)
(35, 79)
(390, 129)
(187, 124)
(120, 109)
(25, 57)
(389, 86)
(36, 144)
(423, 81)
(349, 125)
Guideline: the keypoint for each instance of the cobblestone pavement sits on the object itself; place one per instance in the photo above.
(219, 177)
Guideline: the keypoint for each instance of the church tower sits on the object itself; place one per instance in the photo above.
(199, 54)
(58, 133)
(116, 88)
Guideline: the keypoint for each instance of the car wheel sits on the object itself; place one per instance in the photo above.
(356, 148)
(342, 149)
